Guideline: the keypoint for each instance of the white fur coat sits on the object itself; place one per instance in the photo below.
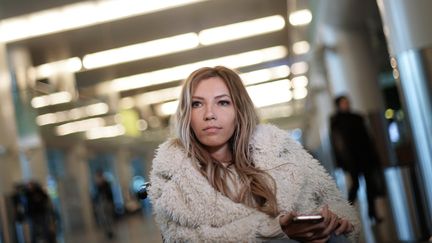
(188, 209)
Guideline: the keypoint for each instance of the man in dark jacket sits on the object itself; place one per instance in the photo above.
(355, 152)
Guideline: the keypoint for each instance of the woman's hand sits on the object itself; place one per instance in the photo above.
(315, 232)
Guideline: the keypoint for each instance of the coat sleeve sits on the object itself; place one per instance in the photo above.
(321, 186)
(179, 223)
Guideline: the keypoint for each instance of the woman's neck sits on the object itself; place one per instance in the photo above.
(222, 154)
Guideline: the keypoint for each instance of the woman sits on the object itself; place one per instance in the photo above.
(227, 179)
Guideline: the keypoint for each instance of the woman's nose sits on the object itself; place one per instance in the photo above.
(209, 114)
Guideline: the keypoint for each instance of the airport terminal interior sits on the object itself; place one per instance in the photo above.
(89, 89)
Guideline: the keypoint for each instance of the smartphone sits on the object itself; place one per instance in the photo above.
(312, 219)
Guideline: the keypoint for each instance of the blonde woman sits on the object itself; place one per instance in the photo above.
(225, 178)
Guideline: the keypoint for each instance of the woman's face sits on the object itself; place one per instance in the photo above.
(213, 114)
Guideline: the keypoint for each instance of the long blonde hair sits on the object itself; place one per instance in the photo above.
(257, 187)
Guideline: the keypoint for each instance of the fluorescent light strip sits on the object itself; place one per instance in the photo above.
(299, 82)
(73, 114)
(158, 96)
(264, 75)
(46, 70)
(167, 108)
(51, 99)
(79, 15)
(162, 46)
(241, 30)
(79, 126)
(105, 132)
(270, 93)
(300, 93)
(141, 51)
(300, 17)
(179, 72)
(301, 47)
(299, 68)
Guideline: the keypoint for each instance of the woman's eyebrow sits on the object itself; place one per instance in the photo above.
(221, 96)
(216, 97)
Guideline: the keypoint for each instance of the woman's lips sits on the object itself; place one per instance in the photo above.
(212, 129)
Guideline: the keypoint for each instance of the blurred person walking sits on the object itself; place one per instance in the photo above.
(355, 153)
(41, 214)
(104, 203)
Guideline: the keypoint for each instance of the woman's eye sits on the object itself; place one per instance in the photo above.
(196, 104)
(224, 102)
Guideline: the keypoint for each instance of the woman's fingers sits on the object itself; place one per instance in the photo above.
(344, 227)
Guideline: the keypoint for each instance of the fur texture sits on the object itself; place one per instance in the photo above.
(188, 209)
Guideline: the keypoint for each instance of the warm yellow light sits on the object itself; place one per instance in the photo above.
(142, 50)
(301, 47)
(299, 68)
(300, 17)
(389, 114)
(179, 72)
(270, 93)
(79, 15)
(241, 30)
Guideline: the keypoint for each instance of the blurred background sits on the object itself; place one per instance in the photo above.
(89, 87)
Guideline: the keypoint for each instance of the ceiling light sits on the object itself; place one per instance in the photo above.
(300, 17)
(73, 114)
(79, 126)
(270, 93)
(96, 109)
(180, 72)
(300, 93)
(79, 15)
(142, 50)
(158, 96)
(51, 99)
(299, 82)
(299, 68)
(301, 47)
(46, 119)
(46, 70)
(241, 30)
(105, 132)
(167, 108)
(264, 75)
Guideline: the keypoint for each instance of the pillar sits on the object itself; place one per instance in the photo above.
(408, 32)
(74, 190)
(10, 169)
